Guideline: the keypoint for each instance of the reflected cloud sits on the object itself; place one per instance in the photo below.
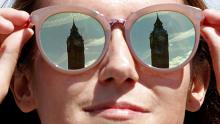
(61, 60)
(64, 18)
(182, 35)
(179, 59)
(90, 62)
(95, 42)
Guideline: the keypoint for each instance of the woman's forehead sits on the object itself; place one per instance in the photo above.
(104, 3)
(110, 8)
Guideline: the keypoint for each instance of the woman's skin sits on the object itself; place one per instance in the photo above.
(210, 30)
(118, 84)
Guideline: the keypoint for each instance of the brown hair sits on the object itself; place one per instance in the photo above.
(26, 5)
(201, 60)
(197, 3)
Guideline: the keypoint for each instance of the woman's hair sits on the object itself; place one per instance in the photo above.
(211, 107)
(26, 5)
(197, 3)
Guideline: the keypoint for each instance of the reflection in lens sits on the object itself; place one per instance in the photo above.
(75, 49)
(163, 39)
(159, 45)
(72, 40)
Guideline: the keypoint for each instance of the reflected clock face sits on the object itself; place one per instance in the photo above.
(161, 38)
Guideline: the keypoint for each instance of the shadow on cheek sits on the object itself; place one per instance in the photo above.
(166, 79)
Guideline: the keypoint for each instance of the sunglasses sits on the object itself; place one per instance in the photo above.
(73, 38)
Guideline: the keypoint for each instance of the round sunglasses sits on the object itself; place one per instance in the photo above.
(74, 38)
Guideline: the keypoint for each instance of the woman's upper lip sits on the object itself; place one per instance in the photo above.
(116, 105)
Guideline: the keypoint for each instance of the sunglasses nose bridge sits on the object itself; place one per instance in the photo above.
(117, 23)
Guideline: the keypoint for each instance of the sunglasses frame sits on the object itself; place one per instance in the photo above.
(39, 16)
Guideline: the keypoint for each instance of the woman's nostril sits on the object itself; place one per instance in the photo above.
(129, 80)
(112, 79)
(109, 79)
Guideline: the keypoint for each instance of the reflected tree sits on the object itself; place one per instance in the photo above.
(159, 45)
(75, 49)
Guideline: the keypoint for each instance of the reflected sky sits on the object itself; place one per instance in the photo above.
(64, 19)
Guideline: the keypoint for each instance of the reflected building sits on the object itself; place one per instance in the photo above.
(159, 45)
(75, 49)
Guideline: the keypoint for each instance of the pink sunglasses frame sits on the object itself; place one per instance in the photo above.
(39, 16)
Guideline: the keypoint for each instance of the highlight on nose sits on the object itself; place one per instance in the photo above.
(119, 66)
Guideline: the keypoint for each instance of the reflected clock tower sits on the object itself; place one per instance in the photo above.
(159, 45)
(75, 49)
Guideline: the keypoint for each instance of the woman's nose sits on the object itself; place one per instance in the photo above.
(118, 65)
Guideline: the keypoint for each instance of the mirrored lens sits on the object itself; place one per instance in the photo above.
(163, 39)
(72, 40)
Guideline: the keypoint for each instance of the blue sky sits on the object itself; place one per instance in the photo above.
(210, 3)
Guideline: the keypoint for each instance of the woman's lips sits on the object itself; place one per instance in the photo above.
(117, 114)
(117, 111)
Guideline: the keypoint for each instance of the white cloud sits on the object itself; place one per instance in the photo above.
(95, 42)
(64, 18)
(182, 36)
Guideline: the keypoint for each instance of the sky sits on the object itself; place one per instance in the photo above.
(213, 4)
(8, 3)
(210, 3)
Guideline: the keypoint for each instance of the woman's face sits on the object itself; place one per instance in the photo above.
(118, 90)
